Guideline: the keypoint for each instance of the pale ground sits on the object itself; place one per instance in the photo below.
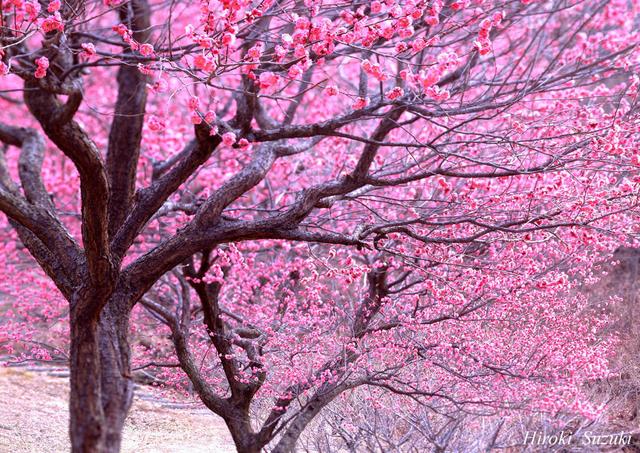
(33, 418)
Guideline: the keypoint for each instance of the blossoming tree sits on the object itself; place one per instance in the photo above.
(292, 336)
(140, 137)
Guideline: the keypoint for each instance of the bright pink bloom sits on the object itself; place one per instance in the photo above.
(267, 79)
(360, 103)
(52, 23)
(42, 64)
(54, 6)
(204, 63)
(32, 9)
(88, 49)
(394, 93)
(155, 124)
(228, 138)
(147, 50)
(331, 90)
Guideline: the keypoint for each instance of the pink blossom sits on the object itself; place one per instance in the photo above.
(54, 6)
(267, 79)
(295, 71)
(418, 44)
(88, 50)
(42, 64)
(405, 22)
(360, 103)
(156, 124)
(429, 78)
(280, 52)
(52, 23)
(121, 29)
(204, 63)
(459, 5)
(406, 32)
(228, 39)
(196, 118)
(32, 8)
(394, 93)
(255, 52)
(432, 20)
(331, 90)
(483, 46)
(437, 93)
(299, 51)
(145, 69)
(193, 103)
(146, 50)
(401, 47)
(228, 138)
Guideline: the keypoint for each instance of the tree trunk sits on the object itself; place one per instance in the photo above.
(86, 415)
(115, 365)
(101, 385)
(244, 438)
(287, 442)
(324, 396)
(248, 448)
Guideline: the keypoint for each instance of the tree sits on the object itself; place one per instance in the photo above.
(357, 125)
(269, 339)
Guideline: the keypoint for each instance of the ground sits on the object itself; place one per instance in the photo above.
(33, 418)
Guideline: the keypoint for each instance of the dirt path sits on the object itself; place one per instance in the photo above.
(33, 418)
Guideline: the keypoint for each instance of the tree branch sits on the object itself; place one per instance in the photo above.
(74, 142)
(126, 129)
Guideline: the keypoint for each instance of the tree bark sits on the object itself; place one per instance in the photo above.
(244, 438)
(324, 396)
(287, 442)
(115, 367)
(101, 385)
(86, 415)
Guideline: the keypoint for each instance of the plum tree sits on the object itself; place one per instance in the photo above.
(141, 136)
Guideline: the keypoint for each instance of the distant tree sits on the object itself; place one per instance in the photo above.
(268, 339)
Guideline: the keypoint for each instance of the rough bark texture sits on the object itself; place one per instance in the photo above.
(115, 368)
(242, 434)
(87, 426)
(126, 129)
(101, 387)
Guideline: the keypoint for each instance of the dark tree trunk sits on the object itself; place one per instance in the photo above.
(287, 442)
(247, 448)
(115, 366)
(101, 385)
(245, 443)
(86, 416)
(324, 396)
(243, 436)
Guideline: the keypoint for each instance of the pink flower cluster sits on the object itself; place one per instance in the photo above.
(146, 49)
(88, 50)
(52, 23)
(42, 64)
(483, 43)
